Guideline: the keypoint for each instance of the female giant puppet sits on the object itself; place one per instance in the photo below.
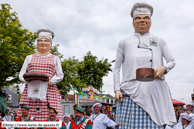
(143, 105)
(42, 62)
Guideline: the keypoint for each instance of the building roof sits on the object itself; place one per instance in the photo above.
(14, 97)
(69, 97)
(110, 96)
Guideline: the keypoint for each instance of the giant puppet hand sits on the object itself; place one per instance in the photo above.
(118, 95)
(159, 71)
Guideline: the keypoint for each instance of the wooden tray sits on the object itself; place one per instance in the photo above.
(145, 74)
(35, 76)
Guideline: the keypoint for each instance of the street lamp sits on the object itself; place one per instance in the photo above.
(112, 61)
(192, 96)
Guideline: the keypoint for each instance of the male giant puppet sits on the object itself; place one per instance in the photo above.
(143, 105)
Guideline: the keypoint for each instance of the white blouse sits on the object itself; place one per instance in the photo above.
(58, 70)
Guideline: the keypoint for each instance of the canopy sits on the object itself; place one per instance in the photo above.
(175, 102)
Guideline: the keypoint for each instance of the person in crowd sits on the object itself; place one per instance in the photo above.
(66, 120)
(3, 107)
(108, 115)
(25, 117)
(189, 111)
(72, 117)
(25, 114)
(52, 117)
(1, 120)
(88, 114)
(112, 117)
(99, 120)
(184, 124)
(138, 101)
(7, 117)
(80, 121)
(14, 116)
(47, 64)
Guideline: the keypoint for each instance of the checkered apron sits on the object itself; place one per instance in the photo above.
(132, 116)
(42, 65)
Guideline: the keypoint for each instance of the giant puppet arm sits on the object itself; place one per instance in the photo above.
(116, 77)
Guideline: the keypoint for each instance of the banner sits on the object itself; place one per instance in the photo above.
(90, 94)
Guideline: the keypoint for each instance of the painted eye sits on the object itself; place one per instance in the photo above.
(39, 40)
(47, 40)
(146, 18)
(137, 18)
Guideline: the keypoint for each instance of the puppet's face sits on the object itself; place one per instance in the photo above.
(142, 23)
(44, 43)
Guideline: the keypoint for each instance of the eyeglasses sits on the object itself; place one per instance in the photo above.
(144, 18)
(46, 40)
(190, 105)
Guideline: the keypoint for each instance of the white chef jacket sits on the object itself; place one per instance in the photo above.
(7, 118)
(102, 121)
(67, 125)
(131, 57)
(154, 97)
(58, 70)
(191, 116)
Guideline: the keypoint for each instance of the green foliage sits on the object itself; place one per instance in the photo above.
(71, 78)
(15, 44)
(54, 51)
(94, 70)
(19, 97)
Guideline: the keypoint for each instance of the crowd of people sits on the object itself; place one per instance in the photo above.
(97, 120)
(186, 119)
(77, 120)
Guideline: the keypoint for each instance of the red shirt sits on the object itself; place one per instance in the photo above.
(75, 126)
(63, 124)
(19, 119)
(29, 119)
(1, 124)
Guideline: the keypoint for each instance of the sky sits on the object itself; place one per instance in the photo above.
(98, 26)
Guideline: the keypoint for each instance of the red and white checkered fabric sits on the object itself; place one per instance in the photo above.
(42, 65)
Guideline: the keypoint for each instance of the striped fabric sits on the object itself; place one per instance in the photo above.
(45, 65)
(132, 116)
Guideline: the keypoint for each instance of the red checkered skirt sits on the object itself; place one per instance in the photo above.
(42, 65)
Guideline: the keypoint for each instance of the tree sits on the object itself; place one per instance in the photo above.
(54, 51)
(15, 44)
(94, 70)
(71, 78)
